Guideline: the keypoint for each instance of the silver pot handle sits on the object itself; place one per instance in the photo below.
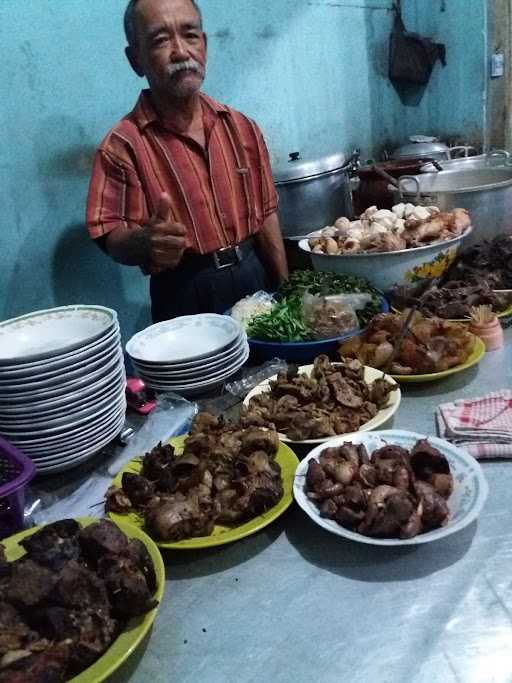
(412, 179)
(463, 148)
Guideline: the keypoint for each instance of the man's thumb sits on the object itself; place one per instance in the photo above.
(163, 211)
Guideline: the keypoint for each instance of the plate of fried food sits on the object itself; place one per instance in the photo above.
(390, 487)
(78, 596)
(312, 403)
(431, 349)
(220, 483)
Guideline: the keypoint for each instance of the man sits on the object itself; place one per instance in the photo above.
(182, 185)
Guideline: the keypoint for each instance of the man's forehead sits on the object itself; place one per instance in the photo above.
(150, 13)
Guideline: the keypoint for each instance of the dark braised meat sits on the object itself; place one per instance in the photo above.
(30, 584)
(54, 545)
(48, 666)
(225, 474)
(15, 634)
(393, 494)
(486, 261)
(57, 619)
(138, 489)
(453, 300)
(102, 538)
(335, 399)
(78, 587)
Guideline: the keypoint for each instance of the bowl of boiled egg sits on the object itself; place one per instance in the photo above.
(405, 244)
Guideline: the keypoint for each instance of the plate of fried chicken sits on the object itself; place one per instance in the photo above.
(390, 487)
(77, 598)
(220, 483)
(312, 403)
(431, 349)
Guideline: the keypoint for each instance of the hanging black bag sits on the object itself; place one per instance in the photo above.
(411, 56)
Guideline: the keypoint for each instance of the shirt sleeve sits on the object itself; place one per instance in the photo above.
(115, 195)
(269, 192)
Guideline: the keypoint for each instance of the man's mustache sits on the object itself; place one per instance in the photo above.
(188, 65)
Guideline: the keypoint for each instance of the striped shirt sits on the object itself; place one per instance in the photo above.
(221, 194)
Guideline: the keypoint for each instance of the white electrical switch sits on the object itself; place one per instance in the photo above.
(497, 65)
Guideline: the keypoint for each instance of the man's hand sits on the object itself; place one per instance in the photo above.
(167, 239)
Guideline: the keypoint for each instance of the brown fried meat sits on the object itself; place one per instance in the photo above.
(393, 494)
(335, 399)
(66, 600)
(226, 474)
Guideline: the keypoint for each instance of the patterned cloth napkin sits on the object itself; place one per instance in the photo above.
(482, 426)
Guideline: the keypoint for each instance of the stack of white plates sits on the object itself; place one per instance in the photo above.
(189, 355)
(62, 384)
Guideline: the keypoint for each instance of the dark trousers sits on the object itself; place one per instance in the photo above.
(197, 287)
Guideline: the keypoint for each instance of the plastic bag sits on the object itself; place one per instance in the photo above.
(171, 417)
(255, 376)
(330, 316)
(411, 56)
(250, 306)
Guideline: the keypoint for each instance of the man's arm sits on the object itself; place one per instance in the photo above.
(271, 248)
(156, 246)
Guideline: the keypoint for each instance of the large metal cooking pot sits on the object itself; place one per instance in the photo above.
(435, 150)
(313, 192)
(485, 193)
(497, 158)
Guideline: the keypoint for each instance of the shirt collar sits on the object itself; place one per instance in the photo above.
(144, 113)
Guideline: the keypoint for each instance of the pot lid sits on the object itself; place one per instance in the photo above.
(416, 149)
(302, 165)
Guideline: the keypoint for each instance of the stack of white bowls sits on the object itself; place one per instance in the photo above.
(190, 355)
(62, 384)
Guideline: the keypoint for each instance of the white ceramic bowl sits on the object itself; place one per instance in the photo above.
(467, 500)
(386, 269)
(370, 374)
(44, 334)
(184, 339)
(198, 386)
(193, 369)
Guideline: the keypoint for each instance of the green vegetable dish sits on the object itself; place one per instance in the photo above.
(285, 322)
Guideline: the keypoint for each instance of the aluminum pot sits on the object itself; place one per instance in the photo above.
(496, 158)
(435, 150)
(313, 192)
(485, 193)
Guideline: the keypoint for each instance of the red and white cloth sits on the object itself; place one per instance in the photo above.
(482, 426)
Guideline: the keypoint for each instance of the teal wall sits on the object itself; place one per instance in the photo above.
(454, 103)
(311, 72)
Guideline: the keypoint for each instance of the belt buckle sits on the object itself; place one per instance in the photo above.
(217, 257)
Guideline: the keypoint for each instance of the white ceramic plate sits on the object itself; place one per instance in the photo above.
(63, 423)
(467, 500)
(64, 360)
(194, 386)
(81, 456)
(43, 334)
(87, 396)
(60, 376)
(186, 338)
(71, 444)
(61, 415)
(193, 369)
(64, 389)
(370, 374)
